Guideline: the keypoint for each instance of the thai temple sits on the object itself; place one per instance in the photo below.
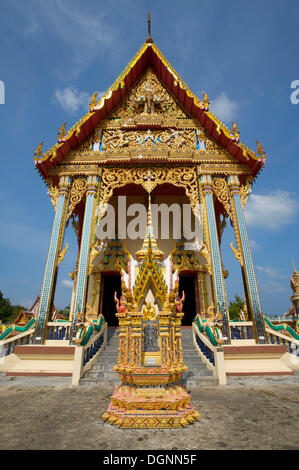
(148, 180)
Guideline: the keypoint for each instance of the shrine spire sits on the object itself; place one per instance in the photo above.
(149, 38)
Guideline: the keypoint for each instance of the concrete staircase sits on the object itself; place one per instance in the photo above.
(102, 371)
(197, 373)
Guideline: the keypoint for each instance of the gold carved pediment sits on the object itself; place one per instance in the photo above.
(148, 119)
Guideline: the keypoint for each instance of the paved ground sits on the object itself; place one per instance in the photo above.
(249, 413)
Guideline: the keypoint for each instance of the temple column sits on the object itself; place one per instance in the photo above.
(81, 280)
(245, 258)
(218, 280)
(51, 265)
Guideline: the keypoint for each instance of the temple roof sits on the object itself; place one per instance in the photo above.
(149, 55)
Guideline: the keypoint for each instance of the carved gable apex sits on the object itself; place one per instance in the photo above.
(148, 101)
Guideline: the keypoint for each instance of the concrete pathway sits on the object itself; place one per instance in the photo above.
(248, 413)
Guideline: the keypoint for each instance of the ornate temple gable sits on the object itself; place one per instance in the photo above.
(148, 121)
(148, 112)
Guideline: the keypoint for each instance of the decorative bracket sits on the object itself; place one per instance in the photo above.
(237, 254)
(222, 193)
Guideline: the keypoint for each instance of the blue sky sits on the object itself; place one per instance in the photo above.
(56, 53)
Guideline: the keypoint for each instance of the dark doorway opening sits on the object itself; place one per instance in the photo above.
(187, 284)
(110, 284)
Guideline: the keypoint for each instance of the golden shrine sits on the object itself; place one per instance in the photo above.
(150, 361)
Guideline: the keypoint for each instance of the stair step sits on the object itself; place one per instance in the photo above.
(192, 360)
(102, 371)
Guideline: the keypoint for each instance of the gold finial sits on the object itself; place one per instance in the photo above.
(93, 101)
(235, 131)
(149, 38)
(62, 131)
(206, 100)
(39, 150)
(295, 270)
(149, 242)
(260, 149)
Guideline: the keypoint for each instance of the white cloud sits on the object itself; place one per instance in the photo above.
(272, 281)
(86, 33)
(70, 99)
(271, 287)
(271, 272)
(271, 211)
(224, 108)
(67, 283)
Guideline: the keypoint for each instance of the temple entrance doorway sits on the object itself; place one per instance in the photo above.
(110, 283)
(187, 284)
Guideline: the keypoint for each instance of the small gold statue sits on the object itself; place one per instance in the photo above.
(149, 312)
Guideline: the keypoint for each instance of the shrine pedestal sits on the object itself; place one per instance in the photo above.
(149, 400)
(150, 407)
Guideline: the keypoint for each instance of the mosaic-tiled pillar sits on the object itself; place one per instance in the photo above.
(246, 261)
(51, 265)
(79, 303)
(218, 279)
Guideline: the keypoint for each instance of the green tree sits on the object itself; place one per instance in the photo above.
(65, 312)
(5, 308)
(234, 307)
(15, 311)
(8, 312)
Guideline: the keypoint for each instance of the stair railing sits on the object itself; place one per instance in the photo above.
(7, 346)
(241, 330)
(213, 356)
(292, 345)
(58, 331)
(85, 356)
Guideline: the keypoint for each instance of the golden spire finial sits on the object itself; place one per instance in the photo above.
(149, 38)
(295, 270)
(149, 242)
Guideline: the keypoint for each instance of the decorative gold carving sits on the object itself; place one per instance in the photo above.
(260, 149)
(235, 131)
(245, 190)
(148, 99)
(116, 139)
(94, 252)
(53, 192)
(93, 102)
(185, 260)
(62, 254)
(114, 257)
(214, 315)
(206, 254)
(78, 190)
(205, 102)
(221, 191)
(237, 253)
(39, 150)
(181, 176)
(61, 132)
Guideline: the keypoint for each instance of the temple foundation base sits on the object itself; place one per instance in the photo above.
(150, 407)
